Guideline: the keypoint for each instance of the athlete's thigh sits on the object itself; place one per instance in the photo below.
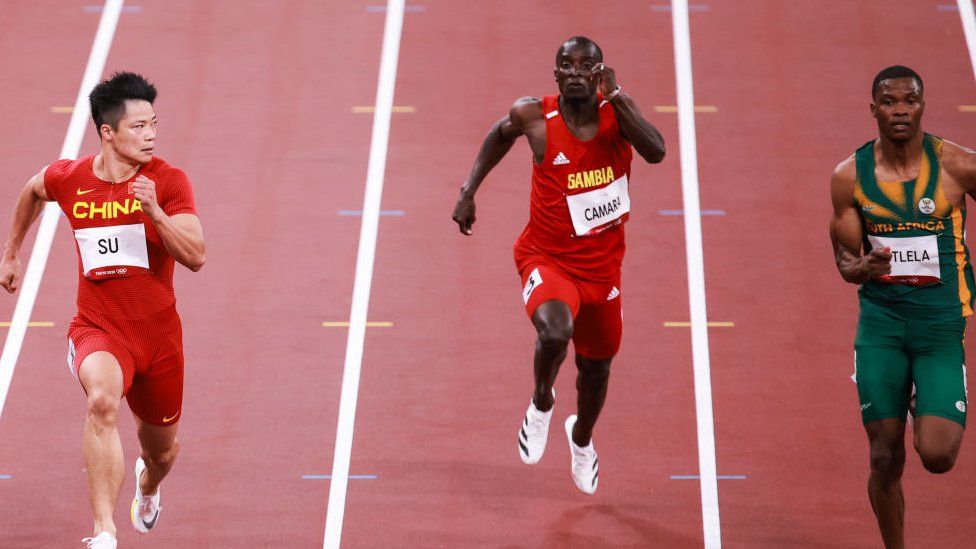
(95, 356)
(882, 369)
(542, 283)
(599, 324)
(939, 369)
(156, 397)
(156, 439)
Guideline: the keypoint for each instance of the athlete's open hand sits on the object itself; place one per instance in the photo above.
(878, 262)
(145, 191)
(607, 77)
(464, 214)
(10, 274)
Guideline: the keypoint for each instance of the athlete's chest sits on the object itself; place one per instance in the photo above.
(90, 203)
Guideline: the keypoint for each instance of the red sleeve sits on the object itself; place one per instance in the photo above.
(54, 175)
(179, 194)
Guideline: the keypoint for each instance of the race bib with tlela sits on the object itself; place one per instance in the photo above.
(113, 252)
(597, 209)
(914, 260)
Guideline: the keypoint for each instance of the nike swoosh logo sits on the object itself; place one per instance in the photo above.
(151, 523)
(81, 192)
(171, 418)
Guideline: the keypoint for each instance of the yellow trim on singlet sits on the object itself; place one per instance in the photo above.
(862, 200)
(895, 191)
(964, 292)
(922, 181)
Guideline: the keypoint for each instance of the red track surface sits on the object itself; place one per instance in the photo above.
(255, 105)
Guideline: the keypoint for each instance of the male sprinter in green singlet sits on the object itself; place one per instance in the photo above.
(898, 231)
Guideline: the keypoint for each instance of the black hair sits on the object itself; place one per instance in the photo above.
(895, 71)
(107, 99)
(579, 41)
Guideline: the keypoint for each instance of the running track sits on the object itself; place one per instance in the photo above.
(262, 121)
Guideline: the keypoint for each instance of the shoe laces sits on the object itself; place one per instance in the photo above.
(147, 506)
(537, 420)
(95, 542)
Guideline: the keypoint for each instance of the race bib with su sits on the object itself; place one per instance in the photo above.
(598, 209)
(113, 252)
(914, 260)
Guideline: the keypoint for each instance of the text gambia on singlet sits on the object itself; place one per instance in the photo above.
(579, 199)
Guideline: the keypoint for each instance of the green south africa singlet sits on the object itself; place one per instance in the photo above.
(930, 269)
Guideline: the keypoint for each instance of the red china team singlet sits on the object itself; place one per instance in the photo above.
(124, 268)
(579, 199)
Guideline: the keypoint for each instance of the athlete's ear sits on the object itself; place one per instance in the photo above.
(874, 110)
(105, 132)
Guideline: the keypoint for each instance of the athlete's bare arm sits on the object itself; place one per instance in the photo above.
(525, 118)
(29, 206)
(960, 163)
(641, 134)
(182, 234)
(846, 231)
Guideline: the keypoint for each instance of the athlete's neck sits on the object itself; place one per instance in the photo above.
(579, 110)
(109, 166)
(901, 154)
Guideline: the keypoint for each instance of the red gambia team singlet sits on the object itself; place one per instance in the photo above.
(579, 199)
(124, 269)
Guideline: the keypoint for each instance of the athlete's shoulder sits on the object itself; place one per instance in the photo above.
(165, 172)
(846, 170)
(959, 162)
(63, 169)
(526, 109)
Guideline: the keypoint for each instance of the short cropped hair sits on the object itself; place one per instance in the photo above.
(895, 71)
(579, 41)
(107, 99)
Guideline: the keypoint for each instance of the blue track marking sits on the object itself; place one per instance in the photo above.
(682, 212)
(698, 477)
(351, 213)
(351, 477)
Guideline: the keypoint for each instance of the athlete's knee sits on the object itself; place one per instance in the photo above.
(162, 458)
(103, 407)
(555, 333)
(938, 463)
(593, 370)
(887, 463)
(937, 458)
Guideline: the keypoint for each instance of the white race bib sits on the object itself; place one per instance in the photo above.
(599, 208)
(112, 252)
(914, 260)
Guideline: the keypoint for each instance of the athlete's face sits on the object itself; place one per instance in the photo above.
(898, 106)
(135, 138)
(574, 71)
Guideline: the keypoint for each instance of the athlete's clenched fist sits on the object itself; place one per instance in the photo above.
(145, 191)
(10, 274)
(464, 214)
(607, 77)
(878, 262)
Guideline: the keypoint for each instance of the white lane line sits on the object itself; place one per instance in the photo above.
(364, 273)
(968, 17)
(51, 213)
(696, 275)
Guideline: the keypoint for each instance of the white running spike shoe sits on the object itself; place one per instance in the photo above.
(586, 467)
(101, 541)
(145, 509)
(534, 433)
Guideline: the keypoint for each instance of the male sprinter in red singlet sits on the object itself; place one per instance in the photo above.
(132, 216)
(569, 255)
(899, 232)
